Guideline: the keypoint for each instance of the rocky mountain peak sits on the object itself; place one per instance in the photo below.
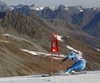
(4, 6)
(36, 7)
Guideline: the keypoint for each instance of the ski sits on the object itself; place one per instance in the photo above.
(77, 73)
(56, 74)
(63, 74)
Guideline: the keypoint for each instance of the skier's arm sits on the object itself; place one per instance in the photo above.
(66, 58)
(69, 57)
(63, 60)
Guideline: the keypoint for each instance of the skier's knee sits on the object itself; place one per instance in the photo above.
(67, 68)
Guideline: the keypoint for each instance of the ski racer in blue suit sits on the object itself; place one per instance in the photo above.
(78, 65)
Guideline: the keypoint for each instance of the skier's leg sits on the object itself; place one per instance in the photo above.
(73, 67)
(77, 66)
(82, 64)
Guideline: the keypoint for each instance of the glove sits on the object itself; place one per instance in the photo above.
(60, 62)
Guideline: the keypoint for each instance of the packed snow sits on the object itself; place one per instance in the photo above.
(8, 35)
(51, 8)
(98, 49)
(59, 37)
(71, 48)
(36, 7)
(81, 10)
(89, 77)
(43, 54)
(4, 41)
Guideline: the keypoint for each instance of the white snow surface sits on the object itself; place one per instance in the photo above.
(89, 77)
(51, 8)
(71, 48)
(81, 10)
(43, 54)
(4, 41)
(37, 8)
(98, 49)
(59, 37)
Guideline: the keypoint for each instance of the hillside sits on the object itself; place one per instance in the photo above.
(73, 31)
(27, 32)
(15, 62)
(28, 28)
(91, 54)
(93, 27)
(77, 15)
(84, 17)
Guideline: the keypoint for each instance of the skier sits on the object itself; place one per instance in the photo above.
(78, 65)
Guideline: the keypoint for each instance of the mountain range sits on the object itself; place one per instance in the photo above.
(26, 28)
(78, 15)
(61, 16)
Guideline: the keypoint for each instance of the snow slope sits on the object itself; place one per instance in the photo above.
(90, 77)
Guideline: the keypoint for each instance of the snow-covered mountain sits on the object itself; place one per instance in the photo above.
(36, 7)
(50, 7)
(56, 7)
(95, 9)
(76, 9)
(4, 6)
(18, 6)
(72, 9)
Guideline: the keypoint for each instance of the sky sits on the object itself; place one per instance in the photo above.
(85, 3)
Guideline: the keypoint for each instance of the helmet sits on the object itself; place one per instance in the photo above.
(72, 53)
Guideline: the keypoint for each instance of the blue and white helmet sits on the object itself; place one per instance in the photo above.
(72, 53)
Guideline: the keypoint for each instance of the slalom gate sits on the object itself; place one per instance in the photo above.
(54, 48)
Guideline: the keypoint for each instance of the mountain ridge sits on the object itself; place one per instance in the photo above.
(4, 6)
(77, 15)
(92, 27)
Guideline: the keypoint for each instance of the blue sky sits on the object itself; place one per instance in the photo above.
(85, 3)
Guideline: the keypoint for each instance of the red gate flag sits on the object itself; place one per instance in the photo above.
(54, 46)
